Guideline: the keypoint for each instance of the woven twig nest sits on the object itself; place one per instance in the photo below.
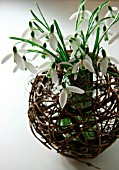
(87, 125)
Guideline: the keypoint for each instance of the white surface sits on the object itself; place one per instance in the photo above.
(19, 150)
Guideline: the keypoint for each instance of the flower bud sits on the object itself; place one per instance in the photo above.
(52, 29)
(14, 49)
(103, 53)
(30, 24)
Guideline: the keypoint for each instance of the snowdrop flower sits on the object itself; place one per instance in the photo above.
(105, 61)
(104, 65)
(28, 66)
(66, 90)
(29, 30)
(16, 57)
(49, 67)
(53, 42)
(87, 15)
(33, 38)
(112, 12)
(86, 62)
(53, 74)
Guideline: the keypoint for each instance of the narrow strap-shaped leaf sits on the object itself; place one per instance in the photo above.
(61, 39)
(79, 10)
(42, 16)
(36, 51)
(38, 27)
(93, 17)
(96, 12)
(35, 17)
(35, 44)
(96, 45)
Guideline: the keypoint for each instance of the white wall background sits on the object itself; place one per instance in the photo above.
(19, 150)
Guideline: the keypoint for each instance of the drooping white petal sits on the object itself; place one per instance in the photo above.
(59, 87)
(75, 76)
(54, 76)
(37, 41)
(87, 14)
(113, 38)
(24, 45)
(75, 68)
(67, 63)
(114, 60)
(50, 57)
(45, 65)
(23, 51)
(88, 59)
(6, 58)
(88, 66)
(15, 69)
(63, 98)
(66, 42)
(30, 67)
(104, 65)
(44, 34)
(75, 89)
(19, 61)
(73, 16)
(68, 37)
(53, 41)
(35, 56)
(72, 59)
(24, 34)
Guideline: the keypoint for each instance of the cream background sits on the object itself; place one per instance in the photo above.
(19, 150)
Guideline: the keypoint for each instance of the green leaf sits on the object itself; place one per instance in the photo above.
(38, 27)
(116, 19)
(42, 16)
(36, 51)
(61, 39)
(92, 19)
(96, 45)
(81, 5)
(35, 44)
(37, 19)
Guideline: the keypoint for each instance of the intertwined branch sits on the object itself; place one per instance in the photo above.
(87, 125)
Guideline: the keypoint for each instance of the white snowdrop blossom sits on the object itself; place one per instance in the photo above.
(28, 66)
(86, 62)
(29, 30)
(65, 92)
(53, 42)
(104, 63)
(87, 15)
(33, 38)
(16, 57)
(51, 72)
(114, 11)
(83, 15)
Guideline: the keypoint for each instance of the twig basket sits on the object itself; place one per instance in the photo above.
(87, 125)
